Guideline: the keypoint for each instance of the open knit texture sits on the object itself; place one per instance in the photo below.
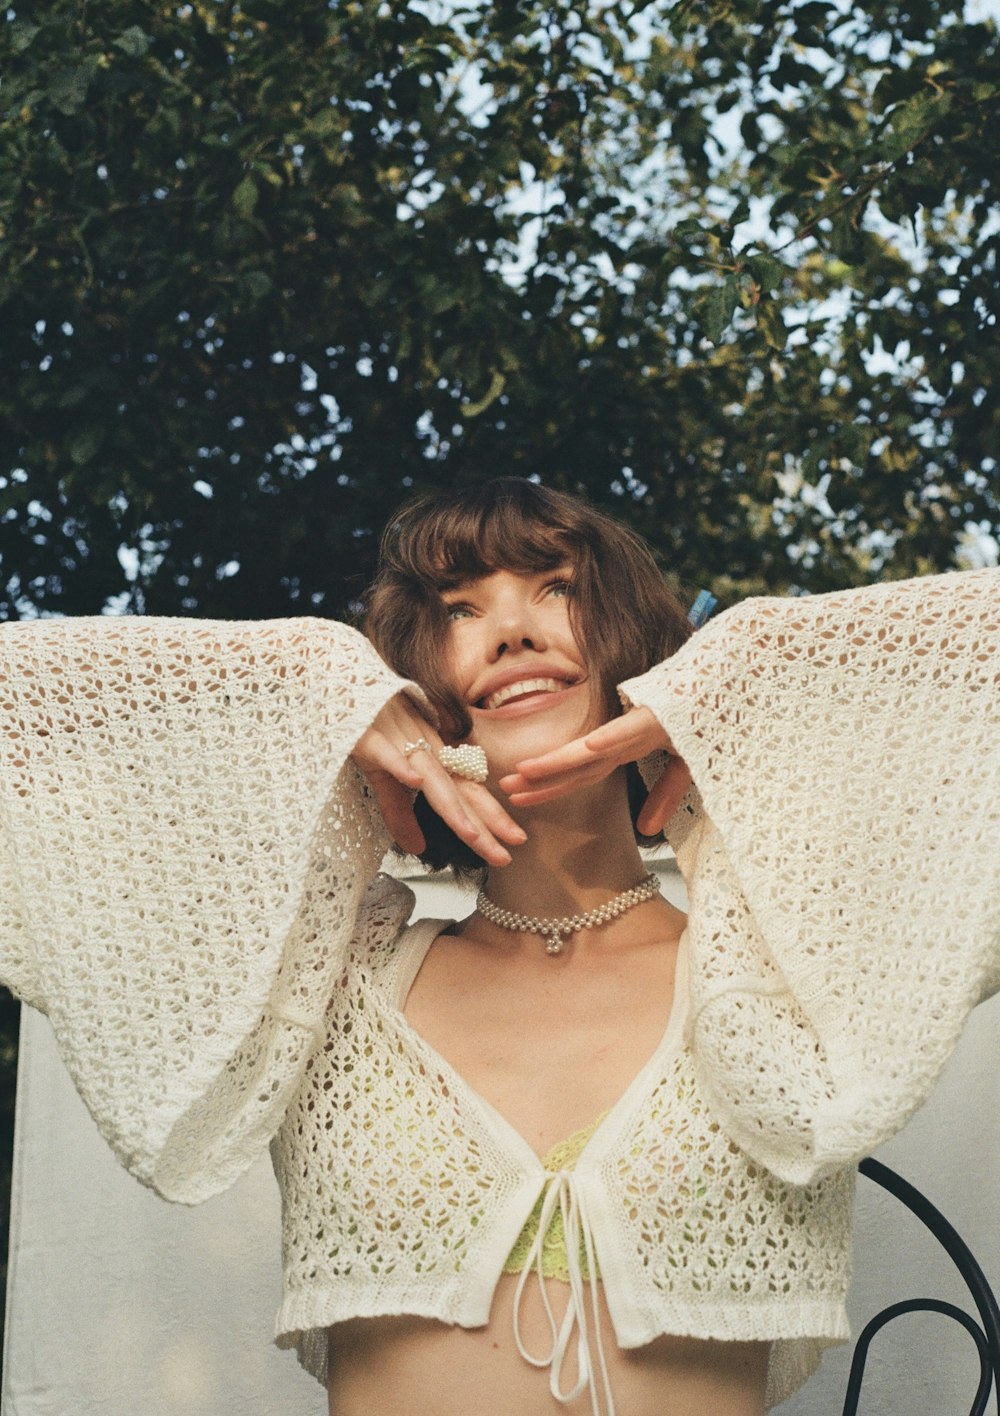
(186, 850)
(404, 1191)
(844, 869)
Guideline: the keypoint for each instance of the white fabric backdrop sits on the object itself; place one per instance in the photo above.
(119, 1304)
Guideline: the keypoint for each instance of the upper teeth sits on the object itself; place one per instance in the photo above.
(523, 686)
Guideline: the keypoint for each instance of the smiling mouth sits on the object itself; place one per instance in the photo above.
(524, 688)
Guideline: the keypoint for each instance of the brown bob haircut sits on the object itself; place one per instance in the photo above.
(624, 616)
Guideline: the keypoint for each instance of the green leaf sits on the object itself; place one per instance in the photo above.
(134, 41)
(604, 344)
(814, 12)
(895, 85)
(771, 325)
(21, 35)
(245, 197)
(910, 121)
(75, 394)
(750, 131)
(85, 445)
(438, 295)
(766, 270)
(68, 88)
(717, 308)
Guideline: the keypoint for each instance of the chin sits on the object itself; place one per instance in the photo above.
(511, 739)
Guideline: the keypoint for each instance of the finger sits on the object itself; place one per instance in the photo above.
(445, 801)
(665, 797)
(439, 789)
(637, 730)
(463, 802)
(623, 739)
(481, 840)
(492, 814)
(396, 805)
(472, 821)
(542, 794)
(591, 768)
(661, 804)
(531, 793)
(376, 753)
(561, 759)
(514, 783)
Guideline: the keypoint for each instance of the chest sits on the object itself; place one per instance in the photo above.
(550, 1048)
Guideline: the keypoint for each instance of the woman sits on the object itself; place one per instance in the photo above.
(715, 1083)
(506, 590)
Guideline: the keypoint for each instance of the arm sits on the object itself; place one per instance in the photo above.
(185, 848)
(845, 877)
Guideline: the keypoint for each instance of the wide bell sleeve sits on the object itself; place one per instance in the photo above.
(184, 850)
(842, 854)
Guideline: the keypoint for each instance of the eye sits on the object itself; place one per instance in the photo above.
(458, 610)
(561, 588)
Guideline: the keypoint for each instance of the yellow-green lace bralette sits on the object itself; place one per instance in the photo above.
(563, 1156)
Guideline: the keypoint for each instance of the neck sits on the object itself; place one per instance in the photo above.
(580, 852)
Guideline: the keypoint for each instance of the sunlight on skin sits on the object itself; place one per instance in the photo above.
(591, 758)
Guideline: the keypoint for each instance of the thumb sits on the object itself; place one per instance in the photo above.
(665, 797)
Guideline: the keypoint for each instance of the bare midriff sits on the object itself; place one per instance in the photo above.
(406, 1366)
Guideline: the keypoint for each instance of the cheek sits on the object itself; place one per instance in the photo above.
(456, 670)
(573, 639)
(603, 706)
(455, 664)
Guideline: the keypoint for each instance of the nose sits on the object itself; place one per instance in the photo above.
(516, 627)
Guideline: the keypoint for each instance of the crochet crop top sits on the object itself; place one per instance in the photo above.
(186, 866)
(687, 1233)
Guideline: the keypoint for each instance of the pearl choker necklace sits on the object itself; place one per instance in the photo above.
(554, 930)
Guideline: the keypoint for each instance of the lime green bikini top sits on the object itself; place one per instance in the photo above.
(555, 1263)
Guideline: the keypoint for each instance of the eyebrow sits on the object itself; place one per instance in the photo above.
(460, 582)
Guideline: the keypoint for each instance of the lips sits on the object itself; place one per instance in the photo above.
(523, 688)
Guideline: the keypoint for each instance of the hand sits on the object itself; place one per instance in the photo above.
(590, 759)
(471, 811)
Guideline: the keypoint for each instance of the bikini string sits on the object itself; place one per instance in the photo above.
(562, 1193)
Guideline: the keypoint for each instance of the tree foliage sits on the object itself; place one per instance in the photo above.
(728, 267)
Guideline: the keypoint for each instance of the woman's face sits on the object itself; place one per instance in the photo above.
(514, 660)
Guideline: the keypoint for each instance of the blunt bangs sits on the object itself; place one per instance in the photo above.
(506, 525)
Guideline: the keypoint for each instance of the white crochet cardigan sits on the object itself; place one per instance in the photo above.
(186, 849)
(403, 1190)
